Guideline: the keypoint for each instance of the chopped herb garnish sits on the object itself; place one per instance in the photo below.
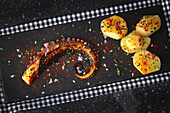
(28, 53)
(105, 52)
(118, 71)
(155, 67)
(133, 74)
(64, 63)
(21, 53)
(62, 36)
(85, 58)
(115, 60)
(23, 57)
(144, 56)
(123, 28)
(72, 25)
(50, 43)
(68, 62)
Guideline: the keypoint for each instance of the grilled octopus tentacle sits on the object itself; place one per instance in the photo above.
(53, 51)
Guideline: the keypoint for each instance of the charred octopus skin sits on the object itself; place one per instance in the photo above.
(52, 51)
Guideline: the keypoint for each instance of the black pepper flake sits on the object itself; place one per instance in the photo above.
(138, 65)
(32, 68)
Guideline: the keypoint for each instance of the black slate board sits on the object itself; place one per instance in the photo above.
(18, 90)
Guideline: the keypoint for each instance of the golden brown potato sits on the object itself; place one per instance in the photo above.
(31, 72)
(146, 62)
(148, 25)
(134, 42)
(114, 27)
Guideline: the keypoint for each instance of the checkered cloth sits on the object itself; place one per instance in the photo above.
(93, 91)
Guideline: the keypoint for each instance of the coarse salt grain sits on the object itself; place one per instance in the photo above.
(12, 76)
(18, 50)
(104, 65)
(63, 67)
(74, 81)
(35, 42)
(105, 37)
(19, 56)
(80, 58)
(50, 81)
(111, 51)
(55, 80)
(43, 92)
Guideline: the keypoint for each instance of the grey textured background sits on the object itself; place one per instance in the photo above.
(153, 98)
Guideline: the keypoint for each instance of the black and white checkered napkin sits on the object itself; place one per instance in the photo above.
(93, 91)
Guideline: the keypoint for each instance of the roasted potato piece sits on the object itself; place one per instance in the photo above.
(146, 62)
(134, 42)
(148, 25)
(31, 72)
(114, 27)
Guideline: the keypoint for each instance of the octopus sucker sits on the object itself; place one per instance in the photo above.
(52, 51)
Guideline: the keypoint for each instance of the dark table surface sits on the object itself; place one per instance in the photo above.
(153, 98)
